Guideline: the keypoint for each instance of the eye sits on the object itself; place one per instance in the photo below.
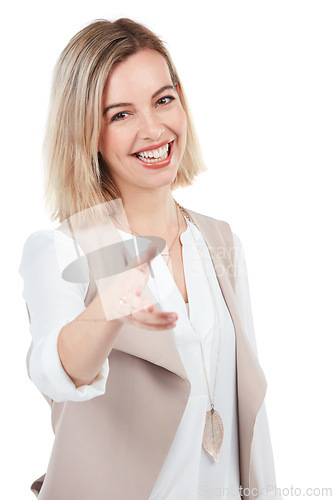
(170, 97)
(118, 116)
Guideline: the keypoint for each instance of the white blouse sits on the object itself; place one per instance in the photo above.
(188, 471)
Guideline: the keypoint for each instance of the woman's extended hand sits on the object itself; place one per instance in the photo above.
(125, 303)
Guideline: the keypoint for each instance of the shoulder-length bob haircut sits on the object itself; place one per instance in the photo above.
(75, 177)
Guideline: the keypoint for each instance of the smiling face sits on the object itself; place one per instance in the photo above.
(142, 112)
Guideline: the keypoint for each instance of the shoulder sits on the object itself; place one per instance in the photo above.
(47, 244)
(222, 227)
(44, 238)
(212, 225)
(38, 242)
(207, 219)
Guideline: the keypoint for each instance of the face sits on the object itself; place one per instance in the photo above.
(142, 112)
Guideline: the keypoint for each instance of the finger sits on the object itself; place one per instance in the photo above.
(156, 317)
(136, 304)
(150, 326)
(149, 320)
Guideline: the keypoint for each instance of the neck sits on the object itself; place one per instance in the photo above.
(153, 213)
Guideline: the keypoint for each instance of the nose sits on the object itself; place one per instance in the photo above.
(150, 126)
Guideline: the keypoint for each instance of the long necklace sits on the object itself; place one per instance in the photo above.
(169, 252)
(213, 431)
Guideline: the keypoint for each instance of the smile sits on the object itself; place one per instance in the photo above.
(156, 158)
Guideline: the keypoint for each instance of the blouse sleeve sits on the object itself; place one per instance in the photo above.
(53, 302)
(242, 292)
(261, 445)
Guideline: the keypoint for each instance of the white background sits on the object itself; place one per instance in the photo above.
(259, 78)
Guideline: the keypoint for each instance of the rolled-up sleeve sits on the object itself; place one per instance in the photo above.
(52, 303)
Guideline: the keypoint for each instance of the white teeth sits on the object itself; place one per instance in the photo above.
(155, 153)
(154, 160)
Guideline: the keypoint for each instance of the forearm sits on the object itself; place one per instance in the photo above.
(85, 343)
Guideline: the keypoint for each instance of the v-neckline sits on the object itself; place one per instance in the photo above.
(186, 304)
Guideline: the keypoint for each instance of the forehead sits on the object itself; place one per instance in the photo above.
(146, 70)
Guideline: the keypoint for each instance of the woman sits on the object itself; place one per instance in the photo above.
(142, 334)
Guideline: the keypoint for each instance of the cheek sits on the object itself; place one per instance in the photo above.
(181, 121)
(111, 144)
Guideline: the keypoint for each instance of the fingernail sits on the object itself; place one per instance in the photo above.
(171, 317)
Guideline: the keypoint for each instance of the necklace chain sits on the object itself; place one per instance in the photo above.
(189, 218)
(169, 253)
(216, 308)
(174, 241)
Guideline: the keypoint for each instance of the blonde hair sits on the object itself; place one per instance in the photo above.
(75, 176)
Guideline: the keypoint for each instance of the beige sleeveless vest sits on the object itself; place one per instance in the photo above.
(112, 447)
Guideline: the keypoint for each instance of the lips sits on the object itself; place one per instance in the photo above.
(154, 165)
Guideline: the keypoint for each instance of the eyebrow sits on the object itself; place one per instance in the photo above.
(122, 104)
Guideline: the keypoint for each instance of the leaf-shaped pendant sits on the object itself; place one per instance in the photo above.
(213, 434)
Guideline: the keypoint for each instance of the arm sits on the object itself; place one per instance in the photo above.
(53, 304)
(242, 293)
(86, 342)
(262, 452)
